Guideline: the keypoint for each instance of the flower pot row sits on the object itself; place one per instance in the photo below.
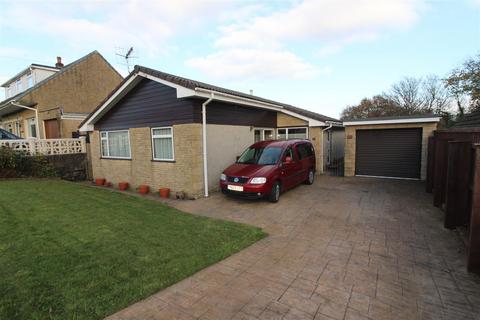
(142, 189)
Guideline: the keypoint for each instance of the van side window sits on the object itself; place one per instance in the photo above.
(304, 150)
(309, 149)
(289, 153)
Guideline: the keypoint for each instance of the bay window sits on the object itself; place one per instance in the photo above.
(162, 144)
(115, 144)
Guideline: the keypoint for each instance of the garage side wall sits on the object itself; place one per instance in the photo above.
(350, 143)
(184, 174)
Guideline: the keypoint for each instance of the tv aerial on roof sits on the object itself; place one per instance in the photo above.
(127, 57)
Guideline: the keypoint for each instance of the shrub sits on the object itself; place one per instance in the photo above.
(16, 164)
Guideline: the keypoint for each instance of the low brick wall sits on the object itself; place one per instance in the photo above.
(70, 166)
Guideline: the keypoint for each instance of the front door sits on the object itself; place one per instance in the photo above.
(52, 129)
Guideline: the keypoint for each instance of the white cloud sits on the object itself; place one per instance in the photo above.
(147, 25)
(475, 3)
(254, 64)
(322, 20)
(329, 25)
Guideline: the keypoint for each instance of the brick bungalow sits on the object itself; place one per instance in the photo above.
(51, 101)
(163, 130)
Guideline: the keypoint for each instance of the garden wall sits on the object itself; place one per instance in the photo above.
(70, 166)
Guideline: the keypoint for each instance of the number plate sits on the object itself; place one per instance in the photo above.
(235, 188)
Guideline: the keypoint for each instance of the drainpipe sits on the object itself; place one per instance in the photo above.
(329, 127)
(204, 138)
(37, 126)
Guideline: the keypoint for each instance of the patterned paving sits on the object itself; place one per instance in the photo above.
(344, 248)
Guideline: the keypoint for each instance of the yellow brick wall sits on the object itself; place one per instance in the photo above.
(69, 126)
(316, 136)
(79, 89)
(284, 120)
(350, 143)
(185, 174)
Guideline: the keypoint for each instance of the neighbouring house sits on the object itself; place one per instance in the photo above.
(163, 130)
(50, 102)
(390, 147)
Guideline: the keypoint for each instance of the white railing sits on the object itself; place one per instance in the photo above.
(47, 146)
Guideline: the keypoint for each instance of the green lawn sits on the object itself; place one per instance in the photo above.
(69, 251)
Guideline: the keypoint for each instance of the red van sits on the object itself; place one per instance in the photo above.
(268, 168)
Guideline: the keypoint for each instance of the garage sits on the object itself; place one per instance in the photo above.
(389, 152)
(393, 147)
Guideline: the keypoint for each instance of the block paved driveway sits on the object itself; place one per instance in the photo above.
(344, 248)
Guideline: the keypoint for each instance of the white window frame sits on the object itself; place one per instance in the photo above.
(108, 147)
(29, 126)
(30, 78)
(262, 135)
(19, 84)
(288, 128)
(162, 136)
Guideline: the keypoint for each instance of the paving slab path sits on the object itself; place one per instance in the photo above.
(343, 248)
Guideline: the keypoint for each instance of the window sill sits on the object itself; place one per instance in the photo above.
(109, 158)
(168, 161)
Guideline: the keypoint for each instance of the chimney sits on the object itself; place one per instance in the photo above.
(251, 92)
(59, 63)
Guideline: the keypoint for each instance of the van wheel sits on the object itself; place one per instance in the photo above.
(310, 177)
(274, 195)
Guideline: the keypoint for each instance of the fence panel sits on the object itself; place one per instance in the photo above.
(457, 202)
(47, 146)
(440, 170)
(473, 256)
(430, 165)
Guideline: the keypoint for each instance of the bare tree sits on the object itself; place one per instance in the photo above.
(436, 98)
(408, 94)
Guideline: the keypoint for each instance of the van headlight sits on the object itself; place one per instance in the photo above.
(258, 180)
(223, 177)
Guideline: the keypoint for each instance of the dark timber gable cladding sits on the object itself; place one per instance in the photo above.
(152, 104)
(232, 114)
(149, 104)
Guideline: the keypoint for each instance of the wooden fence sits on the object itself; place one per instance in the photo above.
(453, 175)
(47, 146)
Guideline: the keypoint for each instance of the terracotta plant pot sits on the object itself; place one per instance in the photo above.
(100, 182)
(164, 192)
(123, 186)
(143, 189)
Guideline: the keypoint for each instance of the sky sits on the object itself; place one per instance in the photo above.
(320, 55)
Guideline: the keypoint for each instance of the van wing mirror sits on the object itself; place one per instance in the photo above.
(288, 160)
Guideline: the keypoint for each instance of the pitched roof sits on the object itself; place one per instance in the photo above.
(53, 76)
(193, 84)
(470, 120)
